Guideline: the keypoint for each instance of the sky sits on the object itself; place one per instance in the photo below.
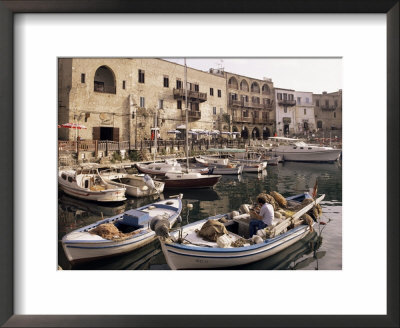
(301, 74)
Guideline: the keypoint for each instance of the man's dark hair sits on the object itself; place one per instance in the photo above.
(261, 200)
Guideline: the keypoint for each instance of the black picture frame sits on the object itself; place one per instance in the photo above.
(7, 11)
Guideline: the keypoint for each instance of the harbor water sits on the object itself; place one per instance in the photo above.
(320, 250)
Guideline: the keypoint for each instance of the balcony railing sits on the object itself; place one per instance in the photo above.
(328, 107)
(192, 114)
(286, 102)
(249, 104)
(180, 94)
(244, 119)
(262, 121)
(233, 86)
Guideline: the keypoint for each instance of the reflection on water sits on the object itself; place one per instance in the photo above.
(287, 178)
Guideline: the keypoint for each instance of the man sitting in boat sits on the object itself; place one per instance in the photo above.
(263, 218)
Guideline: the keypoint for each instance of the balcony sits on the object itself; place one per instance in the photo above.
(286, 102)
(233, 86)
(329, 107)
(262, 121)
(248, 104)
(242, 119)
(192, 115)
(192, 95)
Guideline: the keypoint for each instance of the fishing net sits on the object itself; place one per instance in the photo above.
(212, 229)
(110, 231)
(269, 199)
(279, 198)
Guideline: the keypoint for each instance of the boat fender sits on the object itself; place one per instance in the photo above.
(257, 239)
(154, 221)
(145, 188)
(162, 228)
(223, 241)
(244, 208)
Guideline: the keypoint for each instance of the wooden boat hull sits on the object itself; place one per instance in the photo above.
(331, 155)
(186, 257)
(204, 182)
(109, 195)
(198, 254)
(80, 246)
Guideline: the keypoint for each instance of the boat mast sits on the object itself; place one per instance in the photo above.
(187, 119)
(155, 136)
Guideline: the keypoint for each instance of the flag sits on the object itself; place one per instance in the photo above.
(314, 192)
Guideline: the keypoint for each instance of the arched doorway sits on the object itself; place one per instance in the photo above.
(266, 133)
(104, 80)
(245, 133)
(255, 134)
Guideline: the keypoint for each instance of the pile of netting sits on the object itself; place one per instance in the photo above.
(110, 231)
(284, 209)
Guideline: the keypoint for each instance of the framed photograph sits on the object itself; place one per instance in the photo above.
(35, 35)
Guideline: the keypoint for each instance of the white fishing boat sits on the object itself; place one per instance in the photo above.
(114, 172)
(160, 168)
(211, 160)
(127, 231)
(185, 249)
(86, 183)
(297, 150)
(230, 169)
(138, 185)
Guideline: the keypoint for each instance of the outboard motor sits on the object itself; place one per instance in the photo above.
(160, 226)
(149, 181)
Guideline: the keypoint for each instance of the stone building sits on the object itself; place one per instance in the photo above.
(285, 112)
(250, 105)
(304, 116)
(119, 99)
(328, 110)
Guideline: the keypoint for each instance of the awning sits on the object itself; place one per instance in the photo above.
(182, 127)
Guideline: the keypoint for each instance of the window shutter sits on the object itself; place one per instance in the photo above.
(96, 133)
(115, 134)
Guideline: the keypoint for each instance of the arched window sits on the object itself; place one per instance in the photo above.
(255, 100)
(245, 133)
(244, 85)
(233, 83)
(255, 134)
(104, 80)
(255, 87)
(265, 89)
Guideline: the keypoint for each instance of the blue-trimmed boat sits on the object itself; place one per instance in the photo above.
(83, 245)
(185, 249)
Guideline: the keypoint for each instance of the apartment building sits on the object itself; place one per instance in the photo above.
(127, 99)
(328, 110)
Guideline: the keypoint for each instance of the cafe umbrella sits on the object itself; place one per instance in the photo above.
(75, 126)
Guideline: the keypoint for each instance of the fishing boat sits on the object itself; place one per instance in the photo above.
(296, 150)
(182, 180)
(86, 183)
(138, 185)
(129, 231)
(185, 249)
(160, 168)
(230, 169)
(113, 172)
(211, 160)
